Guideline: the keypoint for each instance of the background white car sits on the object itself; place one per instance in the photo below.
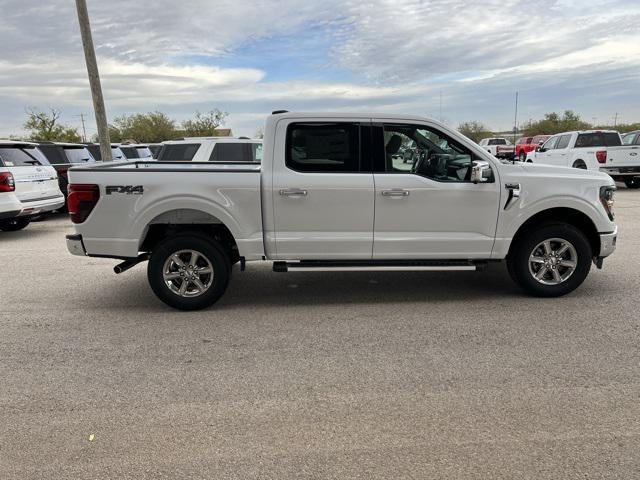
(212, 149)
(28, 185)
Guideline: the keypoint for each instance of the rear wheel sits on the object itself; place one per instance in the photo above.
(551, 260)
(14, 224)
(189, 272)
(579, 164)
(632, 182)
(523, 156)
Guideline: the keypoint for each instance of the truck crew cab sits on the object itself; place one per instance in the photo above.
(331, 194)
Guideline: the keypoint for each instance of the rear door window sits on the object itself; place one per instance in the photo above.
(323, 147)
(232, 152)
(598, 139)
(178, 152)
(497, 141)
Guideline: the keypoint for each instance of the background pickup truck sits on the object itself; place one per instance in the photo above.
(498, 147)
(592, 150)
(332, 194)
(525, 145)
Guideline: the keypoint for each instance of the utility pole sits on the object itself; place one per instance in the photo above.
(84, 131)
(94, 80)
(515, 121)
(615, 121)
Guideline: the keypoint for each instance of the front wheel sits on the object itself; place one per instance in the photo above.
(551, 260)
(189, 271)
(633, 182)
(14, 224)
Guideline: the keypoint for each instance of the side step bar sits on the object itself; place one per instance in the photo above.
(378, 266)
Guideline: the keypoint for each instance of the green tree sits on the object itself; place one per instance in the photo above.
(152, 127)
(553, 123)
(204, 124)
(474, 130)
(46, 127)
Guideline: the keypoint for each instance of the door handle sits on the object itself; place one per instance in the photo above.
(293, 192)
(395, 192)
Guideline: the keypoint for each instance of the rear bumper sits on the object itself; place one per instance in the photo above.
(608, 243)
(621, 171)
(75, 245)
(34, 207)
(9, 214)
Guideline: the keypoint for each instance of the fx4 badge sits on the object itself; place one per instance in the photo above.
(126, 189)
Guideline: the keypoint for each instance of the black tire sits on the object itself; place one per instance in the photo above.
(633, 182)
(14, 224)
(522, 156)
(580, 164)
(210, 251)
(518, 260)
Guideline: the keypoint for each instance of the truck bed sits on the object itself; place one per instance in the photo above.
(134, 195)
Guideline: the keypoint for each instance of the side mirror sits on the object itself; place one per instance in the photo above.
(481, 172)
(540, 148)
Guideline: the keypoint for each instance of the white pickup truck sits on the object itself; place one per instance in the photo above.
(499, 147)
(331, 194)
(591, 150)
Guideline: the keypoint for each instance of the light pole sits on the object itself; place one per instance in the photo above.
(94, 80)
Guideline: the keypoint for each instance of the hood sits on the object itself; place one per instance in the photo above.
(552, 171)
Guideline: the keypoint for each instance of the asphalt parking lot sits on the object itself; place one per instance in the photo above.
(315, 375)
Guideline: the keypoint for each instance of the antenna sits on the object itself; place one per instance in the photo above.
(515, 121)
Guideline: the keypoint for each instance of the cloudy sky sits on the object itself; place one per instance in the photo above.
(251, 57)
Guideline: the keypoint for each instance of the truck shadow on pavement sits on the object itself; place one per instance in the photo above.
(261, 287)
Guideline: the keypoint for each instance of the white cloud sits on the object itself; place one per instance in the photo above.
(388, 55)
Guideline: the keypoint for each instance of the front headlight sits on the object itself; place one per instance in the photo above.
(607, 198)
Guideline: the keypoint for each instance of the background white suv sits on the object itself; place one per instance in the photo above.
(28, 185)
(212, 149)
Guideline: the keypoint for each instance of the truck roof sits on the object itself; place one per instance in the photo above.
(352, 115)
(9, 143)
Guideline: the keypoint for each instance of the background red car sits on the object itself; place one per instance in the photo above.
(528, 144)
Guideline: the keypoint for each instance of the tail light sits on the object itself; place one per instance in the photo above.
(601, 156)
(81, 201)
(7, 184)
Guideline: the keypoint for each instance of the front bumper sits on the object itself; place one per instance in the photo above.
(75, 245)
(608, 243)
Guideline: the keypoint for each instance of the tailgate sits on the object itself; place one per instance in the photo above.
(625, 156)
(35, 182)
